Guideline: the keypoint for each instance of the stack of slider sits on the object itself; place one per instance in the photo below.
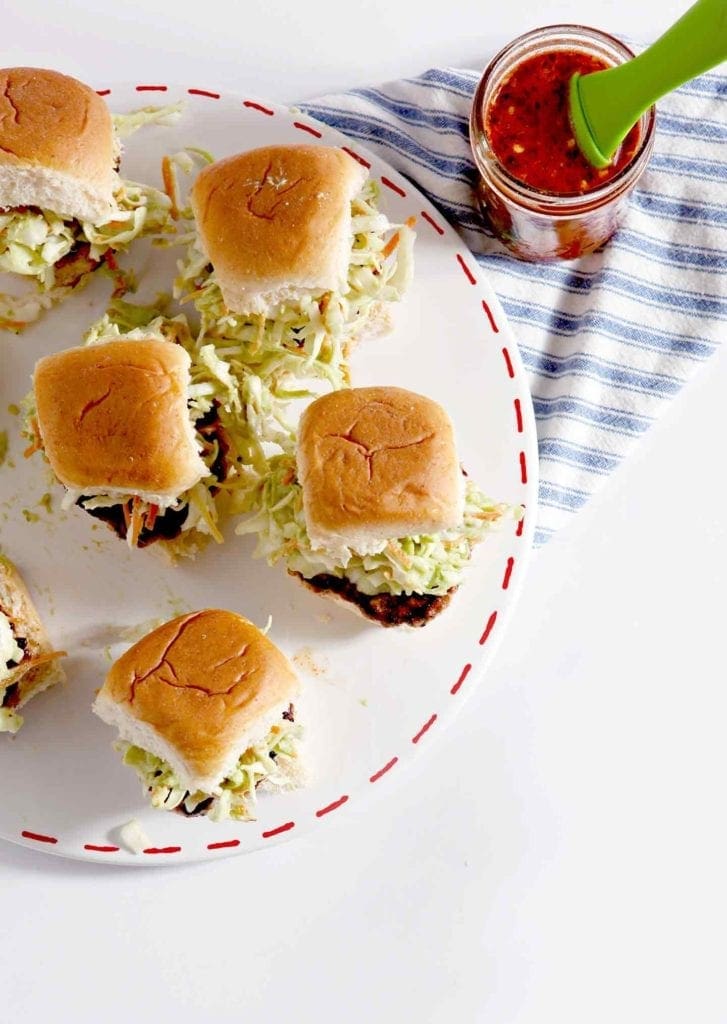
(160, 430)
(287, 229)
(64, 209)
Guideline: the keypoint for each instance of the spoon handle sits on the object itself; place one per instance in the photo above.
(613, 100)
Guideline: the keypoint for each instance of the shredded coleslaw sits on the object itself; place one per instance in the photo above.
(409, 565)
(271, 762)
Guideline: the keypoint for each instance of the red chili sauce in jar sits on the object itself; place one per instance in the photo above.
(529, 130)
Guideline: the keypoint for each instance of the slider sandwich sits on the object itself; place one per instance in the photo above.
(203, 706)
(374, 510)
(28, 663)
(140, 434)
(64, 209)
(290, 260)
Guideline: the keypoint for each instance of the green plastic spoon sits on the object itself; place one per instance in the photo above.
(605, 105)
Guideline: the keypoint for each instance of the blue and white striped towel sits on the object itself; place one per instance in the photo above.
(609, 339)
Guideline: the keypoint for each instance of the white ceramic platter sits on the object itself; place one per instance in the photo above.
(373, 699)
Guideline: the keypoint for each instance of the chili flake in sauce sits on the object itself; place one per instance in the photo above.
(529, 130)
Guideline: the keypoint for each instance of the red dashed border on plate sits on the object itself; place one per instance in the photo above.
(509, 567)
(332, 806)
(308, 128)
(393, 186)
(38, 837)
(252, 105)
(382, 771)
(356, 156)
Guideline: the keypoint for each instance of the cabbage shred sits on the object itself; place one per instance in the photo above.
(128, 124)
(10, 720)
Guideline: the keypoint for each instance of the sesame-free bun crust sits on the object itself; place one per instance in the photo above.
(276, 223)
(197, 692)
(57, 145)
(113, 417)
(375, 464)
(35, 672)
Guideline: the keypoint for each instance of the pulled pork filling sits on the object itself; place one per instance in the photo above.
(271, 763)
(76, 264)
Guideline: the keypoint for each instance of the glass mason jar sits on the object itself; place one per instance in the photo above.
(540, 225)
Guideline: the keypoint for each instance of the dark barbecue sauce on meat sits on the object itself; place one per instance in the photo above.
(212, 431)
(386, 609)
(201, 808)
(11, 697)
(22, 644)
(166, 527)
(169, 524)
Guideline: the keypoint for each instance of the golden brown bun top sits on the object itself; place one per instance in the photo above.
(200, 681)
(276, 220)
(114, 417)
(56, 121)
(377, 463)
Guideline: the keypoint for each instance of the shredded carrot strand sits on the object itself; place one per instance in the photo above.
(170, 186)
(395, 239)
(151, 517)
(36, 444)
(390, 245)
(136, 521)
(41, 659)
